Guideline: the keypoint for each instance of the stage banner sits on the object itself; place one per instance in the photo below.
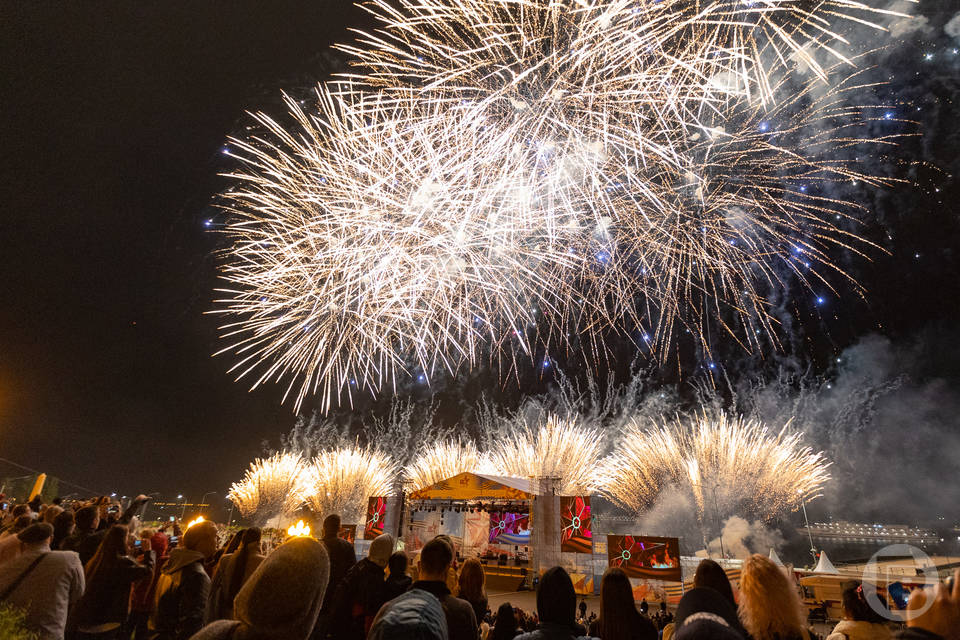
(376, 514)
(645, 557)
(348, 532)
(510, 528)
(575, 533)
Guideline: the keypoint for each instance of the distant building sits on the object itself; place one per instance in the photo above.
(856, 532)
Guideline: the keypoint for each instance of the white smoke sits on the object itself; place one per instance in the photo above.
(741, 538)
(952, 28)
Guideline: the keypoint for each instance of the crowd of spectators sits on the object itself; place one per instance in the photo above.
(90, 571)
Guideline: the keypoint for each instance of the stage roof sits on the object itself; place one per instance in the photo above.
(476, 486)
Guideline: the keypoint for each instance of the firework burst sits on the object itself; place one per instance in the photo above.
(740, 465)
(272, 488)
(342, 480)
(498, 175)
(444, 460)
(557, 448)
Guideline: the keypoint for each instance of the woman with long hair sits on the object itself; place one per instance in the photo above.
(860, 620)
(234, 569)
(619, 618)
(103, 609)
(770, 607)
(471, 583)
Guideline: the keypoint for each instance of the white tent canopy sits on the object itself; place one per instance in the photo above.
(775, 558)
(824, 565)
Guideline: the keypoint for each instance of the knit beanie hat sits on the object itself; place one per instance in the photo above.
(380, 549)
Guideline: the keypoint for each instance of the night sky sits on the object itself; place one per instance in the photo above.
(113, 118)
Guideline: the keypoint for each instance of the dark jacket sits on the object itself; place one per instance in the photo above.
(357, 600)
(107, 596)
(181, 596)
(85, 543)
(479, 607)
(641, 628)
(396, 586)
(461, 621)
(917, 634)
(551, 631)
(342, 557)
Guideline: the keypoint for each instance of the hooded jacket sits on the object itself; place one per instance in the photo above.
(415, 615)
(282, 598)
(181, 596)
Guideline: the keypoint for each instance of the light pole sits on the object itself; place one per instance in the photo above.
(208, 493)
(184, 502)
(803, 503)
(230, 517)
(716, 505)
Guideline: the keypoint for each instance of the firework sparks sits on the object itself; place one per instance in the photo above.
(558, 449)
(271, 488)
(341, 481)
(443, 460)
(741, 464)
(497, 166)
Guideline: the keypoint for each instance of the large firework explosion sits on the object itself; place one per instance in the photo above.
(731, 464)
(576, 167)
(558, 449)
(272, 488)
(342, 480)
(441, 460)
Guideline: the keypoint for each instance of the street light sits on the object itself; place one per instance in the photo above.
(803, 503)
(208, 493)
(184, 509)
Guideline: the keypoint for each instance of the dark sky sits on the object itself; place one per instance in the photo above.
(112, 120)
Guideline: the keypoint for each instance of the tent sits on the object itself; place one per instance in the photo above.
(476, 486)
(824, 565)
(775, 558)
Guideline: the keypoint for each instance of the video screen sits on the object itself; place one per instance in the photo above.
(376, 512)
(575, 533)
(645, 556)
(348, 532)
(510, 528)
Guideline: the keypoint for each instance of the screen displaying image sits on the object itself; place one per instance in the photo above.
(575, 533)
(348, 532)
(510, 528)
(376, 511)
(645, 556)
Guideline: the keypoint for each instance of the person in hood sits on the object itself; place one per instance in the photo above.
(860, 621)
(415, 615)
(282, 598)
(707, 614)
(362, 592)
(183, 586)
(557, 608)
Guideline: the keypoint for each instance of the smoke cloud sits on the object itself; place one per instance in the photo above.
(741, 538)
